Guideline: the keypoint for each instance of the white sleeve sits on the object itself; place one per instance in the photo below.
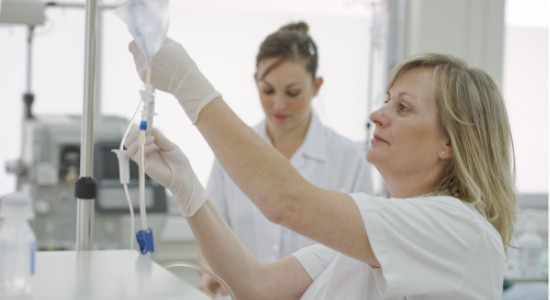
(423, 244)
(216, 190)
(315, 259)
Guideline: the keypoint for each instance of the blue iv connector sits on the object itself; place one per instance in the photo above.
(145, 241)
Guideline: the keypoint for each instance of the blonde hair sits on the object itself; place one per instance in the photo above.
(473, 115)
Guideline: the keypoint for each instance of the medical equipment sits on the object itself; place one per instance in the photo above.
(49, 165)
(145, 235)
(147, 21)
(51, 152)
(57, 138)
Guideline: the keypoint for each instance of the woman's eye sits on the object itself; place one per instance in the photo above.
(293, 93)
(402, 107)
(268, 92)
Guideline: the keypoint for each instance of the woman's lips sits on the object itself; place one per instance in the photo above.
(280, 117)
(377, 139)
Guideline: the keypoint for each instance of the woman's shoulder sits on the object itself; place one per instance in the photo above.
(445, 206)
(447, 211)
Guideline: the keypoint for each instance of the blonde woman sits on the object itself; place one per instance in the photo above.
(442, 143)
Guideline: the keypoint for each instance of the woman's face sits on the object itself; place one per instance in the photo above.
(285, 93)
(407, 139)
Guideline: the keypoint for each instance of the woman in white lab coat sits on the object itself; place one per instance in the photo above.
(287, 83)
(443, 145)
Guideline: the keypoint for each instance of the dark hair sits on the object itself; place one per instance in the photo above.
(290, 42)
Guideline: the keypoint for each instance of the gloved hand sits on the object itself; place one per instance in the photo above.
(174, 72)
(166, 163)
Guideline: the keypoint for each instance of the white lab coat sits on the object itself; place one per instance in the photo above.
(429, 248)
(326, 159)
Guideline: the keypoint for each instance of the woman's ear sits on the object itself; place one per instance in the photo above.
(317, 83)
(446, 151)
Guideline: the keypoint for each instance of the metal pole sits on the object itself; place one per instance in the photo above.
(99, 40)
(29, 59)
(85, 187)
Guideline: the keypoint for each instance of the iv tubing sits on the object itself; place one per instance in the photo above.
(141, 139)
(142, 181)
(128, 197)
(129, 127)
(132, 226)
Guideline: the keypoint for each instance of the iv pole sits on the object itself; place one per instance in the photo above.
(86, 187)
(85, 191)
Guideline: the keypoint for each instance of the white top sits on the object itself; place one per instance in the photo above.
(429, 248)
(326, 159)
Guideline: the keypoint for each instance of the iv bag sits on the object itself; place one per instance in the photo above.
(147, 21)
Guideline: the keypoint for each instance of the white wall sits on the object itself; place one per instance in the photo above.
(509, 40)
(526, 89)
(469, 29)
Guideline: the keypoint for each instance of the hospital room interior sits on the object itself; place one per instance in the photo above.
(67, 84)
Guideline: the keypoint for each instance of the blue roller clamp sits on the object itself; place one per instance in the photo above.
(145, 241)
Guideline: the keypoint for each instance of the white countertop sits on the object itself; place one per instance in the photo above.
(106, 274)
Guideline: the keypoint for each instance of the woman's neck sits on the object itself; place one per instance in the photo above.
(412, 186)
(287, 141)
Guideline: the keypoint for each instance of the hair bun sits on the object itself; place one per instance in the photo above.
(295, 26)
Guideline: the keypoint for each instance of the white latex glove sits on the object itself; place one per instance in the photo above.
(166, 163)
(174, 72)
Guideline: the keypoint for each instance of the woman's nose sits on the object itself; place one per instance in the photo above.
(379, 117)
(279, 102)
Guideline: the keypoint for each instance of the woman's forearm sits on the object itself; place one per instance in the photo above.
(230, 259)
(222, 250)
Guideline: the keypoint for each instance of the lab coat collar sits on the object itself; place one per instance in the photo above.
(314, 143)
